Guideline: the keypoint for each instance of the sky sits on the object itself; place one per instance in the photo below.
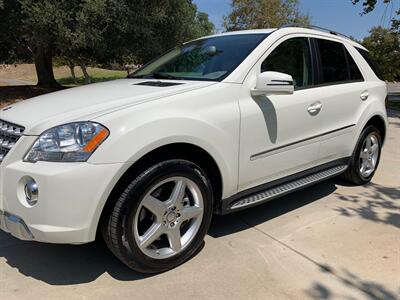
(338, 15)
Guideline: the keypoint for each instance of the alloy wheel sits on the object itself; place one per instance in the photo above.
(369, 155)
(168, 218)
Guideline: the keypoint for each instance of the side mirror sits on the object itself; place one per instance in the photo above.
(273, 83)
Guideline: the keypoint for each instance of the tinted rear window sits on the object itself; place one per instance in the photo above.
(371, 63)
(333, 61)
(355, 74)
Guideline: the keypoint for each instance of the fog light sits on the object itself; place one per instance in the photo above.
(31, 192)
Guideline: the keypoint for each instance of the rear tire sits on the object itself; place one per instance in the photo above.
(365, 159)
(159, 221)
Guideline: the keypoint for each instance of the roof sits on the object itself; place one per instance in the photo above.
(295, 28)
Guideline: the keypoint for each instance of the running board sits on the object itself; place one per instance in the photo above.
(286, 188)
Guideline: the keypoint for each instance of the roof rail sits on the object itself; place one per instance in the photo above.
(314, 27)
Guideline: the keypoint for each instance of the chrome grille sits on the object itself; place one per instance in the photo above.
(9, 135)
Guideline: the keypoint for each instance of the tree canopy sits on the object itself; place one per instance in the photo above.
(384, 47)
(84, 32)
(254, 14)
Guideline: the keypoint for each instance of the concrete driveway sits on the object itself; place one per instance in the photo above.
(330, 241)
(393, 88)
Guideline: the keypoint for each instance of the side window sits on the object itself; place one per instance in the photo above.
(333, 61)
(372, 64)
(355, 73)
(292, 57)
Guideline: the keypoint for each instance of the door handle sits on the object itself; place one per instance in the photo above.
(314, 108)
(364, 95)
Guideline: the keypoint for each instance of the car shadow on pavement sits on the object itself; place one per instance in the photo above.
(63, 264)
(69, 264)
(77, 264)
(229, 224)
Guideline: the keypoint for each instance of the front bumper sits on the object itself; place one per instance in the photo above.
(71, 199)
(15, 226)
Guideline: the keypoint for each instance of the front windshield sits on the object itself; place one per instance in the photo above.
(211, 58)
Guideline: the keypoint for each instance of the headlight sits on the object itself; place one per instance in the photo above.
(73, 142)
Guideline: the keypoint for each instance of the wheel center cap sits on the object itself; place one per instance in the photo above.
(171, 217)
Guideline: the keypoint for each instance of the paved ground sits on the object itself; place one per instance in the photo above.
(394, 91)
(330, 241)
(394, 88)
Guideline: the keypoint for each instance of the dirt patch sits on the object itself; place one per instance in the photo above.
(25, 74)
(12, 94)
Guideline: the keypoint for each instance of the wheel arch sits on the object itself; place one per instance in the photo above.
(379, 122)
(180, 150)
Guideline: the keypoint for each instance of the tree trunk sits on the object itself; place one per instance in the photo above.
(44, 67)
(85, 73)
(72, 68)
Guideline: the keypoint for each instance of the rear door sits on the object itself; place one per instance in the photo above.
(342, 88)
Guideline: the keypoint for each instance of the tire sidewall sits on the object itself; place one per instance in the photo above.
(136, 191)
(356, 156)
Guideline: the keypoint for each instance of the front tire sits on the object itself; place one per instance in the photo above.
(159, 221)
(365, 159)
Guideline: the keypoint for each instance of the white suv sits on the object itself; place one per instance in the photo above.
(215, 125)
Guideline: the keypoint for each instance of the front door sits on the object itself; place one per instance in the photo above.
(279, 133)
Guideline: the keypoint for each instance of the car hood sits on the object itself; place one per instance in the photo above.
(88, 102)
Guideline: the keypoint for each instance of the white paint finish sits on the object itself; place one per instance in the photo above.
(208, 118)
(71, 198)
(271, 260)
(273, 83)
(86, 102)
(221, 118)
(273, 121)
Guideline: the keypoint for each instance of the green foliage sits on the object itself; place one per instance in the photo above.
(161, 25)
(202, 25)
(90, 32)
(12, 47)
(369, 5)
(253, 14)
(384, 47)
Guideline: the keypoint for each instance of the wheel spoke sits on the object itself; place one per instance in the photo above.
(174, 238)
(364, 154)
(178, 193)
(374, 148)
(156, 206)
(371, 165)
(364, 164)
(368, 143)
(158, 229)
(151, 235)
(192, 212)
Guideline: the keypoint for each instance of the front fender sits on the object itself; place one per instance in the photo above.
(214, 128)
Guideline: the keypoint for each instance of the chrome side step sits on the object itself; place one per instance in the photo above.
(286, 188)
